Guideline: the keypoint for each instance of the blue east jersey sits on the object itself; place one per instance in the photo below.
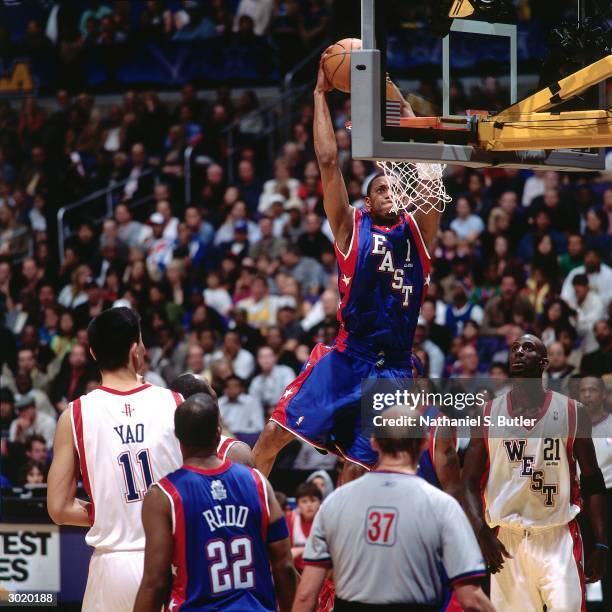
(220, 523)
(382, 280)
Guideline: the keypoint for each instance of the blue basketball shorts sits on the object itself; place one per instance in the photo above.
(322, 406)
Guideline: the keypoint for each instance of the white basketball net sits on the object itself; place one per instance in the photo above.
(416, 185)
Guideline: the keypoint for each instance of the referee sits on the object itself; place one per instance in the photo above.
(388, 535)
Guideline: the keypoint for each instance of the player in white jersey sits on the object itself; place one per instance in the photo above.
(522, 494)
(592, 393)
(229, 448)
(121, 439)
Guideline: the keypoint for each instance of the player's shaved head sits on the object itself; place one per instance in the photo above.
(188, 384)
(528, 357)
(197, 425)
(399, 434)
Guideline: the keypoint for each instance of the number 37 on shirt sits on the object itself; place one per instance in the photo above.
(381, 525)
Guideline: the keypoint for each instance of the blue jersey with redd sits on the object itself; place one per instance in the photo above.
(382, 282)
(220, 523)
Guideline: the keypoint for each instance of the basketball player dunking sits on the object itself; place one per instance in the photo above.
(384, 267)
(526, 472)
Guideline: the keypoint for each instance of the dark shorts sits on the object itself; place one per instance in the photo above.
(322, 406)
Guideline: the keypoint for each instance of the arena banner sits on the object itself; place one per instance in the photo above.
(29, 557)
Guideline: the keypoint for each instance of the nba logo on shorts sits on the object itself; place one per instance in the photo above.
(218, 490)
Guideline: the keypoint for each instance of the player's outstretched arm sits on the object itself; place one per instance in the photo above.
(593, 489)
(446, 463)
(428, 224)
(335, 197)
(473, 469)
(159, 548)
(279, 552)
(240, 452)
(63, 507)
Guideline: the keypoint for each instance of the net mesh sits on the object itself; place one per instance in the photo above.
(416, 186)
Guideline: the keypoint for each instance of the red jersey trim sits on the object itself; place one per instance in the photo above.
(346, 266)
(77, 419)
(263, 502)
(423, 253)
(572, 419)
(387, 228)
(212, 472)
(485, 473)
(280, 412)
(418, 237)
(130, 392)
(485, 427)
(356, 216)
(224, 448)
(538, 416)
(179, 559)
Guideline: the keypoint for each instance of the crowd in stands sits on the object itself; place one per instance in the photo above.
(74, 44)
(239, 284)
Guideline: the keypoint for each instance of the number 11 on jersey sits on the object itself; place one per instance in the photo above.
(133, 493)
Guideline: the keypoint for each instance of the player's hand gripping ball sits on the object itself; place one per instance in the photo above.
(337, 63)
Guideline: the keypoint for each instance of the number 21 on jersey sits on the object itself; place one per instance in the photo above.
(381, 525)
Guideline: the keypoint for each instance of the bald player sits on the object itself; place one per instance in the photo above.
(216, 538)
(524, 464)
(229, 448)
(387, 551)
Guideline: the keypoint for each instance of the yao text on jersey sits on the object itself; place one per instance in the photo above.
(125, 442)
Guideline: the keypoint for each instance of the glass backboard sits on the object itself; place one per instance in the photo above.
(456, 69)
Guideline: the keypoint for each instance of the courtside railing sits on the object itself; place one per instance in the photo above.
(100, 206)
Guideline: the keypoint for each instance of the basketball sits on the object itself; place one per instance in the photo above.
(337, 63)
